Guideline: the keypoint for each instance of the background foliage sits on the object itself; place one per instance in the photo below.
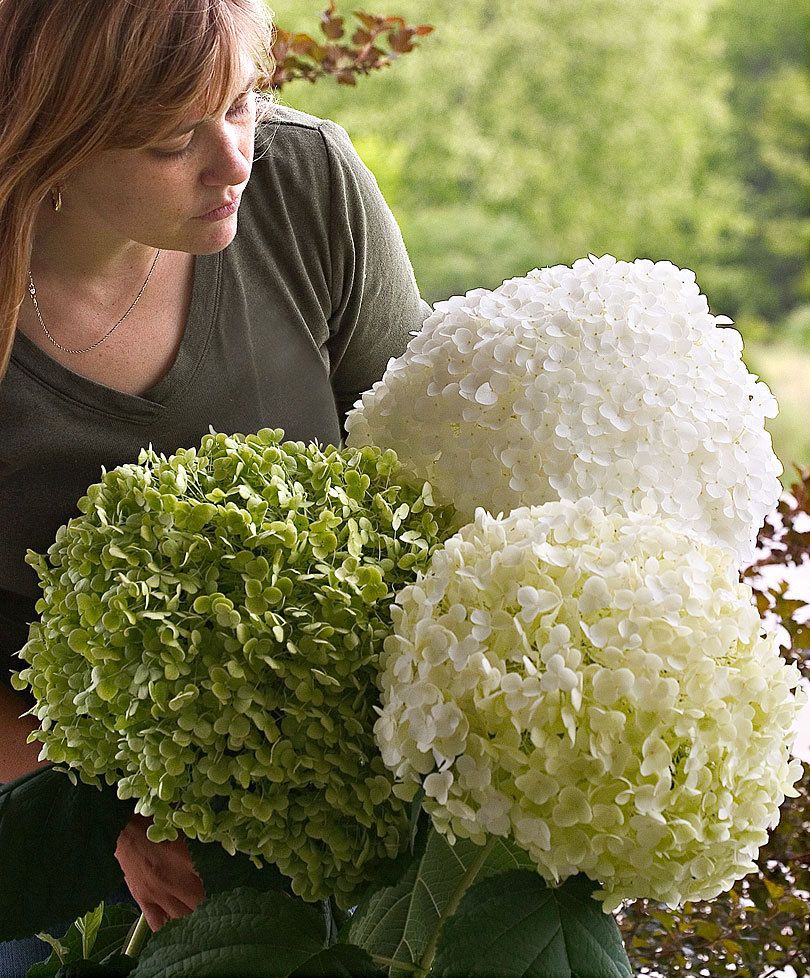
(532, 133)
(528, 134)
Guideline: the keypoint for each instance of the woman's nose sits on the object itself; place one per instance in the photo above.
(231, 159)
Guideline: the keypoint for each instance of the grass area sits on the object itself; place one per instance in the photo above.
(786, 370)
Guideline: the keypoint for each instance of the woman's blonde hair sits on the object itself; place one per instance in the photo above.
(81, 76)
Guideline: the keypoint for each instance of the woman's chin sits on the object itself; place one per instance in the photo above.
(216, 236)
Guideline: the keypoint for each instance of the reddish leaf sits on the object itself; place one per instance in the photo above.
(370, 21)
(333, 54)
(801, 640)
(400, 41)
(304, 44)
(331, 26)
(330, 23)
(299, 56)
(374, 56)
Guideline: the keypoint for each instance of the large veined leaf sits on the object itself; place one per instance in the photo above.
(121, 967)
(220, 871)
(399, 923)
(515, 926)
(239, 934)
(57, 850)
(90, 969)
(390, 874)
(339, 961)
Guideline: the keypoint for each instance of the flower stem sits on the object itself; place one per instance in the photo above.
(474, 869)
(133, 949)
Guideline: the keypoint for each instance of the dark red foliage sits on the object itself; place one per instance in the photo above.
(374, 45)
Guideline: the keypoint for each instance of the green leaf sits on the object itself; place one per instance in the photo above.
(400, 921)
(339, 961)
(709, 930)
(59, 950)
(115, 927)
(516, 926)
(241, 934)
(122, 962)
(88, 926)
(338, 922)
(221, 871)
(119, 968)
(115, 931)
(416, 811)
(391, 872)
(49, 825)
(775, 891)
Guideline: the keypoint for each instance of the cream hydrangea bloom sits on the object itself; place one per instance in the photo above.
(608, 379)
(598, 686)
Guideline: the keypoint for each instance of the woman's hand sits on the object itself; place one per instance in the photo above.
(160, 875)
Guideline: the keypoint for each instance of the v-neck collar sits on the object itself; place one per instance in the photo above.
(152, 403)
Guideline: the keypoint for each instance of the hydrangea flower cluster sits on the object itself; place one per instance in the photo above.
(209, 643)
(601, 688)
(608, 379)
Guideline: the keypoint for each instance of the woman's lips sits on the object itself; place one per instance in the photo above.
(220, 212)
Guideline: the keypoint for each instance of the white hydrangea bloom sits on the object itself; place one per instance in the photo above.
(608, 379)
(599, 686)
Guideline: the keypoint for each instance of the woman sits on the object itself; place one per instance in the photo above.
(176, 252)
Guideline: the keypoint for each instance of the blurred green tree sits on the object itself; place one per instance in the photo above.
(766, 51)
(533, 134)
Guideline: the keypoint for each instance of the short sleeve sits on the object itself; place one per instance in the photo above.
(375, 299)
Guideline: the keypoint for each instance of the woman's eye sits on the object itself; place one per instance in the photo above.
(237, 109)
(174, 153)
(240, 108)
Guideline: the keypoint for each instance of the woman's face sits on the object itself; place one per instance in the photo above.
(158, 195)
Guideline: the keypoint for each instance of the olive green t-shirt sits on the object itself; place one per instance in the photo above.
(287, 327)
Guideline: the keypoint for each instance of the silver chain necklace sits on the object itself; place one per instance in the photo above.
(32, 290)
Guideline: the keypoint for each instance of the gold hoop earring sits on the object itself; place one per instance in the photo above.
(56, 198)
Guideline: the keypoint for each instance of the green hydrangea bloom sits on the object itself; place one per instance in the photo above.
(209, 641)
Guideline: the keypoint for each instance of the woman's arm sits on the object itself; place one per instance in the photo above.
(376, 304)
(16, 756)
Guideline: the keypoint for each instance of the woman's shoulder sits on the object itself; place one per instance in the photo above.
(291, 136)
(297, 128)
(298, 159)
(302, 157)
(282, 116)
(279, 114)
